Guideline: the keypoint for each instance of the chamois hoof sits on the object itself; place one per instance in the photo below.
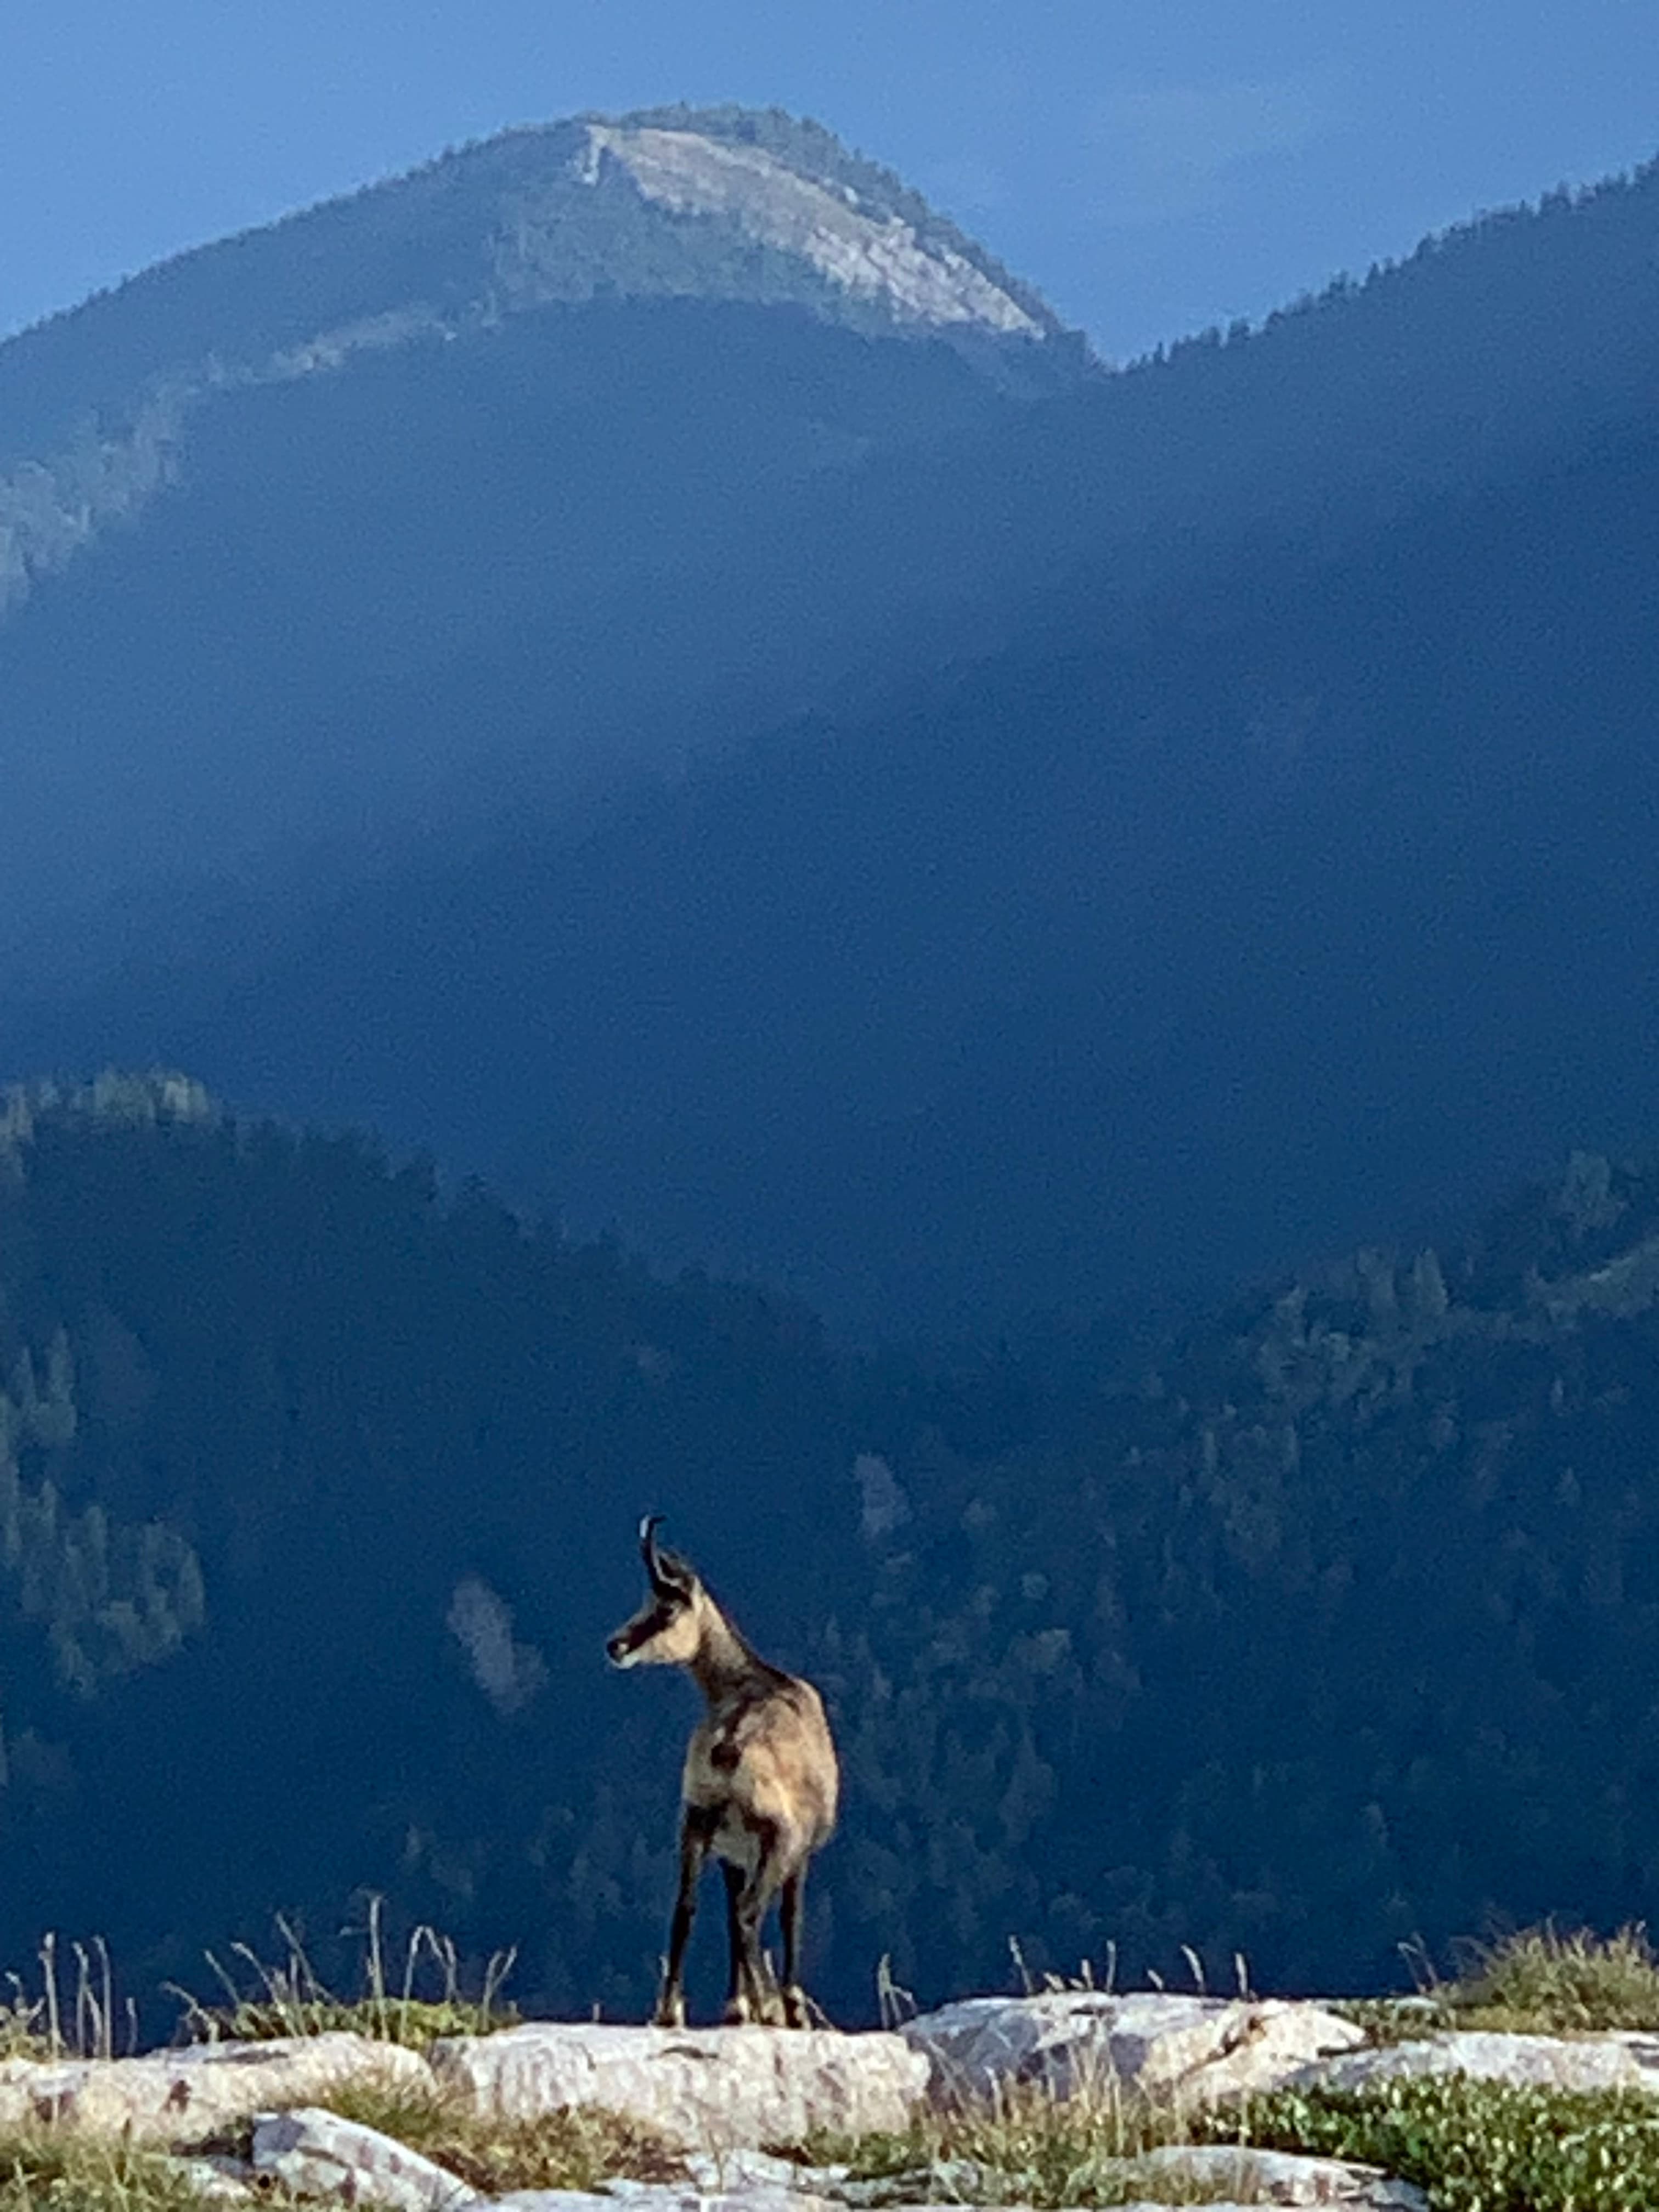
(796, 2012)
(737, 2013)
(671, 2013)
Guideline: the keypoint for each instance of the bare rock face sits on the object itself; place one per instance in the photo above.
(312, 2153)
(1202, 2049)
(1629, 2060)
(709, 2088)
(882, 257)
(182, 2098)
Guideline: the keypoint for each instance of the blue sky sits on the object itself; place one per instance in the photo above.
(1152, 167)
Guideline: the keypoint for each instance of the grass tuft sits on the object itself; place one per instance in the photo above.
(58, 2170)
(1026, 2146)
(568, 2149)
(23, 2027)
(1538, 1982)
(289, 1998)
(1578, 1982)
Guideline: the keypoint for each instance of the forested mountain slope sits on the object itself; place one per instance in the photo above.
(1147, 953)
(1334, 1623)
(1215, 833)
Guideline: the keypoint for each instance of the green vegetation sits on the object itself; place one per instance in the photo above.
(55, 2170)
(23, 2028)
(1538, 1981)
(413, 2005)
(1473, 2146)
(1560, 1983)
(1030, 2148)
(1476, 2146)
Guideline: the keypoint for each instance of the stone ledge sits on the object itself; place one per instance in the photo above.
(709, 2088)
(182, 2098)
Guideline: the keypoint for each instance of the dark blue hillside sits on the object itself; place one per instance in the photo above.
(1301, 902)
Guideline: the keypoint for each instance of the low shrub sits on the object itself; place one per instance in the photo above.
(1473, 2146)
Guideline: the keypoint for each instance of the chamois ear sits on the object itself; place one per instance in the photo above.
(670, 1578)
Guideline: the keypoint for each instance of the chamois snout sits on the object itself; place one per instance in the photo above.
(660, 1636)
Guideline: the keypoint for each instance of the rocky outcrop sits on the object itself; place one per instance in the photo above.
(1198, 2049)
(183, 2097)
(1613, 2061)
(709, 2088)
(314, 2153)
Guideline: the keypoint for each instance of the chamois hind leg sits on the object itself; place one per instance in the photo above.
(697, 1832)
(736, 2002)
(794, 1997)
(756, 1893)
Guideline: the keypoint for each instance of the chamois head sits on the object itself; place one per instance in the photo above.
(668, 1628)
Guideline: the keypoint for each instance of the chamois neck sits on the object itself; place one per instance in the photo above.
(722, 1662)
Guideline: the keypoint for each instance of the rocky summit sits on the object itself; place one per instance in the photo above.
(713, 204)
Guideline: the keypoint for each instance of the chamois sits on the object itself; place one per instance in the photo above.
(759, 1788)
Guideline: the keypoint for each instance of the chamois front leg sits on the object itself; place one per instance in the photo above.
(697, 1832)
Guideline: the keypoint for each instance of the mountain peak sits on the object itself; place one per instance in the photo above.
(720, 204)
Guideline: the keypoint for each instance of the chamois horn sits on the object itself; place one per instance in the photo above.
(664, 1572)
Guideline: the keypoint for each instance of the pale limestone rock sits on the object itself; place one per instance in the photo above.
(880, 257)
(1281, 2177)
(709, 2088)
(312, 2152)
(182, 2097)
(219, 2180)
(737, 2171)
(1068, 2040)
(1623, 2061)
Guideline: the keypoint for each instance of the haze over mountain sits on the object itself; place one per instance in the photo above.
(439, 497)
(1135, 831)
